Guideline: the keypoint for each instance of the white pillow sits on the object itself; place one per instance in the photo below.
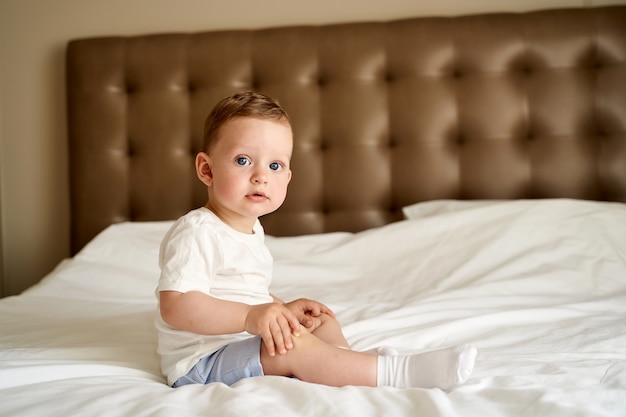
(437, 207)
(134, 244)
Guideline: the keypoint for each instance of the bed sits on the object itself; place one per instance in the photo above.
(455, 180)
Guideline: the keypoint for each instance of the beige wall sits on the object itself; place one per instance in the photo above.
(34, 213)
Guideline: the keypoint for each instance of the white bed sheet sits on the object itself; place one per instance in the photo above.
(538, 286)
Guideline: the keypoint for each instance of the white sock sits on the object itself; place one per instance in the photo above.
(443, 368)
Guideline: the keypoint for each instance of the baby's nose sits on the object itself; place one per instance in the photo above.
(259, 178)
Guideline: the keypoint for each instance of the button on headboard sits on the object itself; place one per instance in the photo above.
(385, 114)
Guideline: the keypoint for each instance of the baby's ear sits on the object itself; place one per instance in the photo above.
(203, 168)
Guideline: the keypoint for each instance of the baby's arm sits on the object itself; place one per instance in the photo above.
(200, 313)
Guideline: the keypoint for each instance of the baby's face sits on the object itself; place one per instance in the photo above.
(250, 169)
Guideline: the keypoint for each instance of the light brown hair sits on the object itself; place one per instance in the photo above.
(243, 104)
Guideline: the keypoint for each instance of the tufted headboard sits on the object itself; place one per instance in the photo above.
(494, 106)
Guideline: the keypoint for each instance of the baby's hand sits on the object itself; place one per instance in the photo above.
(312, 322)
(308, 312)
(275, 323)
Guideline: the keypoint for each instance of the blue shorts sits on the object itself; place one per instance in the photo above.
(238, 360)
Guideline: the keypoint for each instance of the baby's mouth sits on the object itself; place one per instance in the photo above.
(257, 196)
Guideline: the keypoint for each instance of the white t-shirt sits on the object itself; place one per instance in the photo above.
(202, 253)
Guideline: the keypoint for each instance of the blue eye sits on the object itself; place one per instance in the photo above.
(242, 160)
(275, 166)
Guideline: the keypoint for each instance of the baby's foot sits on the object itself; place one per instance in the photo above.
(444, 368)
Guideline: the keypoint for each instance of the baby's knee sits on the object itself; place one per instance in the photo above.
(304, 331)
(303, 337)
(328, 321)
(328, 318)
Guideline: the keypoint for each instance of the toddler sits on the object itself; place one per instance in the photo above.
(217, 321)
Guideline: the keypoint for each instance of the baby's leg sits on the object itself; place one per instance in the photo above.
(328, 329)
(314, 360)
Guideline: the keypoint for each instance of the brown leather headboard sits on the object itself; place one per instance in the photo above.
(385, 114)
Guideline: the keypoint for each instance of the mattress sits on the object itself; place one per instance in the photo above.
(538, 286)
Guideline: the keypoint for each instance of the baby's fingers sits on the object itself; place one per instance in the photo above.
(294, 324)
(323, 309)
(281, 334)
(306, 321)
(268, 342)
